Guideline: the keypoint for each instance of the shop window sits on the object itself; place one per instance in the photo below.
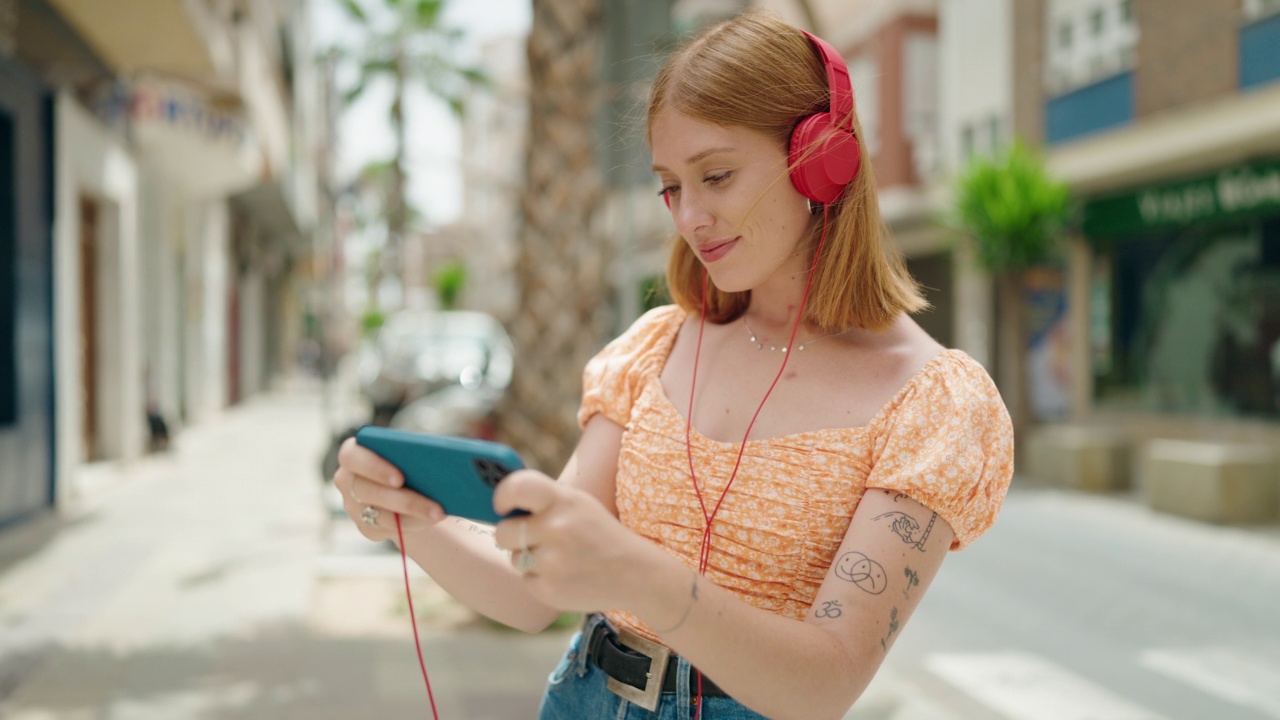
(8, 277)
(1189, 321)
(1259, 61)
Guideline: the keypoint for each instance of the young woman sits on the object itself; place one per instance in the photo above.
(772, 469)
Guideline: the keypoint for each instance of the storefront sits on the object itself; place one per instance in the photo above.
(26, 321)
(1184, 299)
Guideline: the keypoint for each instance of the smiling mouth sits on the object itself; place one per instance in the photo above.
(715, 251)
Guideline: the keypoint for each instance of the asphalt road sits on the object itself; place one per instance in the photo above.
(1083, 608)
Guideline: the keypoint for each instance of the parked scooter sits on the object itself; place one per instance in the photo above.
(437, 372)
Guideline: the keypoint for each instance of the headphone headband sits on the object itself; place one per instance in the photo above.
(823, 152)
(841, 87)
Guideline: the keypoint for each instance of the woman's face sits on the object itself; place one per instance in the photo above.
(731, 199)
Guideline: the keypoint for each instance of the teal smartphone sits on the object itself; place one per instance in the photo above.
(459, 473)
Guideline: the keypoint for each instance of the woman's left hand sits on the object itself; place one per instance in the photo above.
(583, 559)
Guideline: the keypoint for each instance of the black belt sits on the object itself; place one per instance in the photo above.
(631, 665)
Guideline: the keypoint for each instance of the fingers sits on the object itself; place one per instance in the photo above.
(363, 462)
(367, 481)
(527, 490)
(515, 533)
(363, 492)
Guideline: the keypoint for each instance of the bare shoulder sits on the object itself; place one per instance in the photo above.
(897, 354)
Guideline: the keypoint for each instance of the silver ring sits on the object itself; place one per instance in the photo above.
(526, 561)
(369, 515)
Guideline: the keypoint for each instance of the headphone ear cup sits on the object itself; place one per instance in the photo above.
(830, 165)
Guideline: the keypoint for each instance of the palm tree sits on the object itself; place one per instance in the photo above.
(1014, 212)
(561, 263)
(405, 42)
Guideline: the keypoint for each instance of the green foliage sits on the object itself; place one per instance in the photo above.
(653, 292)
(449, 279)
(406, 41)
(371, 320)
(1012, 209)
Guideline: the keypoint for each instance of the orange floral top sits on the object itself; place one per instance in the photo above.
(944, 439)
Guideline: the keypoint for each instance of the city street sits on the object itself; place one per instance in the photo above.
(1082, 608)
(207, 583)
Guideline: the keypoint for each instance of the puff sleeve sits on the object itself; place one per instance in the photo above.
(948, 444)
(614, 378)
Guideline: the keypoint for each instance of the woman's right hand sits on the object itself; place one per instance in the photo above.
(373, 491)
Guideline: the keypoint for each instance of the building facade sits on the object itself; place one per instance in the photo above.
(1162, 117)
(162, 230)
(26, 276)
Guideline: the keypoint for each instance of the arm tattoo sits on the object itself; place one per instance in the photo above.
(907, 528)
(862, 571)
(893, 628)
(478, 529)
(913, 579)
(830, 609)
(693, 598)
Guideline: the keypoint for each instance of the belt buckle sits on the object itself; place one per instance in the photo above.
(648, 696)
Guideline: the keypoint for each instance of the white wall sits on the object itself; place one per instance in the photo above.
(1085, 41)
(90, 161)
(848, 22)
(975, 59)
(162, 238)
(976, 73)
(205, 324)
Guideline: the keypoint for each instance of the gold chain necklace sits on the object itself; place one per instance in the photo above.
(762, 345)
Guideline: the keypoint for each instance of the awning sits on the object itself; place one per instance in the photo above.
(272, 213)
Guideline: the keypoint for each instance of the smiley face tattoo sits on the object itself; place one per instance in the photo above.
(867, 574)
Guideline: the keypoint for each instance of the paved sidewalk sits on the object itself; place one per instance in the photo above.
(204, 583)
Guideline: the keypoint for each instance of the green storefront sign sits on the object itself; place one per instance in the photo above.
(1236, 192)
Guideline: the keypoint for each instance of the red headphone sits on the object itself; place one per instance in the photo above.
(833, 152)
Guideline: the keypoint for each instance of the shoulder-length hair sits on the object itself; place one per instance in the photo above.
(757, 72)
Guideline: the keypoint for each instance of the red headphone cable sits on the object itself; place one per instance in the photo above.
(705, 552)
(417, 643)
(708, 518)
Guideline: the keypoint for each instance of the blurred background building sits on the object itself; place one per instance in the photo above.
(1158, 318)
(164, 223)
(173, 239)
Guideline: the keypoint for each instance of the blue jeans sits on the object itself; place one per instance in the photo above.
(576, 691)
